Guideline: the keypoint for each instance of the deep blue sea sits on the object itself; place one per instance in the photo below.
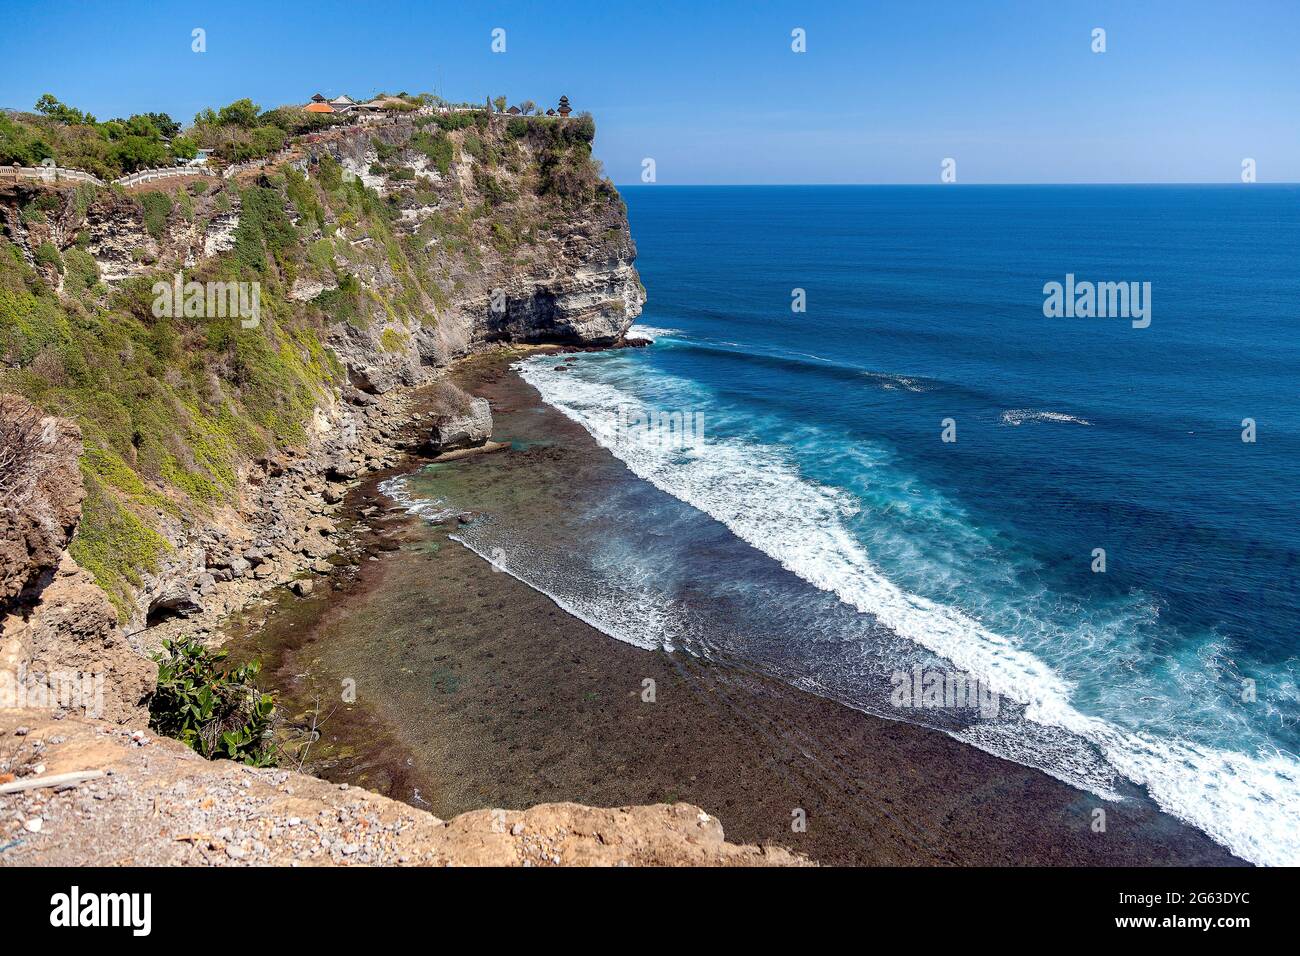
(864, 546)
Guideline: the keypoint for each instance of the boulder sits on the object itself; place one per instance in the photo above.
(174, 597)
(463, 429)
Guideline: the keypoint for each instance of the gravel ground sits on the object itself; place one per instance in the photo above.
(157, 803)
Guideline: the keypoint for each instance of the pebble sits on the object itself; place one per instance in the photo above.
(34, 825)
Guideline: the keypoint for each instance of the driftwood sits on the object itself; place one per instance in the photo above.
(53, 780)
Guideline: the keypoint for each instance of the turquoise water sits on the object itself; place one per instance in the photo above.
(822, 451)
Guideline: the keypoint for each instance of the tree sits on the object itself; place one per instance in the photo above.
(162, 122)
(239, 113)
(500, 104)
(184, 148)
(527, 106)
(21, 145)
(138, 152)
(61, 112)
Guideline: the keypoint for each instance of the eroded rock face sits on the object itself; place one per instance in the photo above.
(40, 494)
(574, 281)
(118, 239)
(60, 644)
(534, 266)
(65, 651)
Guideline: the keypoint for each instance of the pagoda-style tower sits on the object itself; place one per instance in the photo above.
(564, 109)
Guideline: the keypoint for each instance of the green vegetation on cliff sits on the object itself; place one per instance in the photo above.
(174, 409)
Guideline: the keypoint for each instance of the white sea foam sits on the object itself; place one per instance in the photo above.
(1250, 803)
(1018, 416)
(432, 510)
(651, 332)
(636, 618)
(892, 382)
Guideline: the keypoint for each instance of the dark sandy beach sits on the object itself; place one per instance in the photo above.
(474, 690)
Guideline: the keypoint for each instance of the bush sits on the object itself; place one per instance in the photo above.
(157, 207)
(21, 449)
(495, 193)
(435, 146)
(82, 270)
(47, 255)
(218, 712)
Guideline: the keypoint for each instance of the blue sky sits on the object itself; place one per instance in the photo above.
(713, 92)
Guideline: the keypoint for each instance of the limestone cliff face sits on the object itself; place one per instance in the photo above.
(466, 236)
(515, 268)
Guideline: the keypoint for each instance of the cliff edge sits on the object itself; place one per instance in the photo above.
(137, 800)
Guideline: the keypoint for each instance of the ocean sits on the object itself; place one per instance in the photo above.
(919, 480)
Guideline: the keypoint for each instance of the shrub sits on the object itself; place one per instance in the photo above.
(263, 230)
(219, 712)
(47, 255)
(473, 145)
(21, 145)
(436, 146)
(21, 450)
(393, 341)
(137, 152)
(303, 198)
(157, 207)
(82, 270)
(495, 193)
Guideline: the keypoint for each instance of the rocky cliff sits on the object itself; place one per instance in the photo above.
(60, 644)
(379, 254)
(162, 462)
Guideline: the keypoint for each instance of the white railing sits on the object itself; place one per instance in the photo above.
(48, 174)
(166, 172)
(60, 174)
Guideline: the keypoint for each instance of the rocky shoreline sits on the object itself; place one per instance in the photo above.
(292, 532)
(79, 791)
(474, 689)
